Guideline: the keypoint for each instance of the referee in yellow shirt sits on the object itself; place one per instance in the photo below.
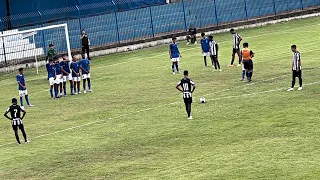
(247, 56)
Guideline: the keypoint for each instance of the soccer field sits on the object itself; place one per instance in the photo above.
(134, 126)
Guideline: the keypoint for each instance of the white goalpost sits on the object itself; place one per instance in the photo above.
(31, 45)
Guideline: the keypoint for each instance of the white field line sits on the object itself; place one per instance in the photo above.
(265, 51)
(138, 58)
(255, 62)
(257, 93)
(152, 108)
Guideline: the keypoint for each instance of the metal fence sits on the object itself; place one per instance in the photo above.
(115, 26)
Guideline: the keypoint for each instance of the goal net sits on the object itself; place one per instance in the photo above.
(29, 48)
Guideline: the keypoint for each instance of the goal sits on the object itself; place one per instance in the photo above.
(28, 48)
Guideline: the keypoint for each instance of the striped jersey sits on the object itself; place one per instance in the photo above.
(15, 112)
(236, 40)
(296, 58)
(186, 85)
(213, 48)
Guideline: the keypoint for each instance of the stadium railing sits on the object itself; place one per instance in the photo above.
(115, 26)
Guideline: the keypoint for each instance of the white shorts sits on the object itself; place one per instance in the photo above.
(23, 92)
(86, 76)
(76, 79)
(51, 81)
(59, 79)
(69, 78)
(206, 53)
(175, 59)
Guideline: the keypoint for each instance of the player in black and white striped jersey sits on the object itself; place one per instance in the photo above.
(214, 53)
(236, 47)
(296, 68)
(188, 87)
(16, 119)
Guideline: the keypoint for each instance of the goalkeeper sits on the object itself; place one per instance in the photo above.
(51, 53)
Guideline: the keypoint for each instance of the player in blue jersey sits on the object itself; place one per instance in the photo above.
(51, 76)
(174, 55)
(22, 87)
(75, 74)
(205, 48)
(84, 65)
(59, 78)
(66, 72)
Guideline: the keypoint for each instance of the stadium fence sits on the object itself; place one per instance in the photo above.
(117, 27)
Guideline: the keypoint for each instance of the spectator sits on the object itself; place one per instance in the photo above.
(192, 35)
(85, 41)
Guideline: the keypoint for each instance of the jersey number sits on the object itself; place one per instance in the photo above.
(15, 112)
(185, 87)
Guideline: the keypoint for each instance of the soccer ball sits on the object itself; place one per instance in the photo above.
(202, 100)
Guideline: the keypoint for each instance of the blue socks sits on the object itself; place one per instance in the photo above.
(89, 85)
(56, 91)
(243, 73)
(177, 66)
(205, 61)
(65, 90)
(51, 92)
(249, 76)
(27, 99)
(71, 88)
(21, 101)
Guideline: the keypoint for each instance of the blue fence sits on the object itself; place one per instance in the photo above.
(122, 26)
(17, 7)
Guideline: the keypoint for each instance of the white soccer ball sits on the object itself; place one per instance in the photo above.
(202, 100)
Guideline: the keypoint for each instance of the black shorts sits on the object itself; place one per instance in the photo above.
(215, 58)
(187, 100)
(16, 127)
(235, 50)
(296, 74)
(248, 64)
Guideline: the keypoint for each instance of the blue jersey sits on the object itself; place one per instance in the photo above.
(50, 70)
(75, 67)
(57, 68)
(205, 45)
(174, 50)
(20, 79)
(65, 66)
(84, 63)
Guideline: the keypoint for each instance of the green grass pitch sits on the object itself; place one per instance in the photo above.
(133, 126)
